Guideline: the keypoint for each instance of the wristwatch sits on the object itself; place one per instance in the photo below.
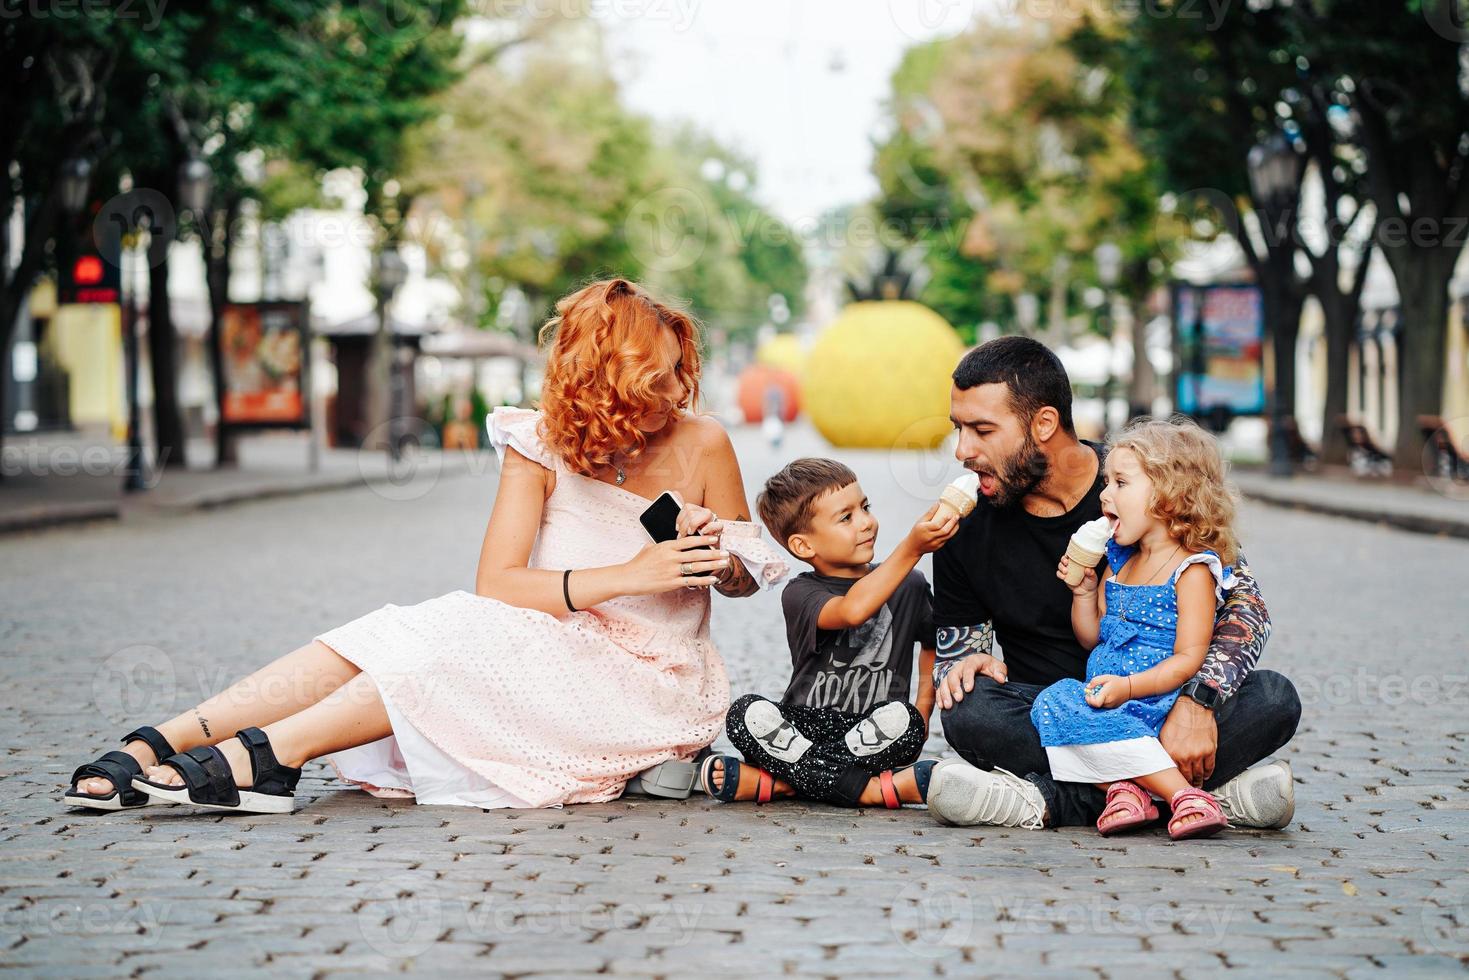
(1206, 695)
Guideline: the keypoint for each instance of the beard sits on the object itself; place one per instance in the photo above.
(1018, 475)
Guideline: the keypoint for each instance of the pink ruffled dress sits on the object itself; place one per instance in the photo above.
(494, 705)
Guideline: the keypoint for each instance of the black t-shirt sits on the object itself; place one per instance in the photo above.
(1000, 567)
(853, 669)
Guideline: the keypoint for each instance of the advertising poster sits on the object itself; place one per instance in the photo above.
(1219, 349)
(264, 347)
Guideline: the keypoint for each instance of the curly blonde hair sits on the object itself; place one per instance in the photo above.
(1190, 495)
(604, 362)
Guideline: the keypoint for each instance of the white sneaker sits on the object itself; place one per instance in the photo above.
(963, 795)
(1263, 797)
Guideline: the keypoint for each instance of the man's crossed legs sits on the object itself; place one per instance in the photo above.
(1012, 785)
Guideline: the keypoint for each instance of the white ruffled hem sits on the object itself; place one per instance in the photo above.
(1107, 762)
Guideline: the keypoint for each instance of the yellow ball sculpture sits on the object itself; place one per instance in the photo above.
(879, 377)
(783, 351)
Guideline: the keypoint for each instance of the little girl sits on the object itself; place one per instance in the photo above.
(1170, 557)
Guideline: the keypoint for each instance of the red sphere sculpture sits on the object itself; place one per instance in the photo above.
(756, 380)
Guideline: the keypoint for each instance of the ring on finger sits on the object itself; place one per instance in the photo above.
(685, 569)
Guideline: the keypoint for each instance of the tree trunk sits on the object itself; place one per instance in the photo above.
(1140, 391)
(39, 230)
(1423, 285)
(1283, 305)
(163, 356)
(1341, 323)
(217, 276)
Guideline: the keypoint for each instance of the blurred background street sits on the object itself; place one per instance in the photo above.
(266, 267)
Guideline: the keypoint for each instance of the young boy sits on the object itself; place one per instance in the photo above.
(844, 723)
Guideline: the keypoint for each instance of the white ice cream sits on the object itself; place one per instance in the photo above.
(1093, 535)
(967, 484)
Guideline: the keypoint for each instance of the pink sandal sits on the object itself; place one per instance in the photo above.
(1195, 802)
(1128, 807)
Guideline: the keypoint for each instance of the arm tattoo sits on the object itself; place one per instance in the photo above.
(957, 642)
(1240, 632)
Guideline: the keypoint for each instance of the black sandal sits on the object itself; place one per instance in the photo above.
(121, 769)
(209, 782)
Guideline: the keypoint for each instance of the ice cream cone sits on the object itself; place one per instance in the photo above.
(954, 502)
(1081, 560)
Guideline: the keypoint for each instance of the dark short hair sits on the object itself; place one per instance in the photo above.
(1031, 372)
(789, 498)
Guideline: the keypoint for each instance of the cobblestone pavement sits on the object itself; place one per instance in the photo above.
(109, 625)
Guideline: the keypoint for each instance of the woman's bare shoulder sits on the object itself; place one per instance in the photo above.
(704, 430)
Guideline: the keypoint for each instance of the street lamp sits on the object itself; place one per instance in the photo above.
(1275, 173)
(1027, 312)
(196, 181)
(76, 181)
(1275, 169)
(1108, 259)
(389, 273)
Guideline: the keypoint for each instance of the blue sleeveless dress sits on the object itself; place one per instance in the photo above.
(1086, 744)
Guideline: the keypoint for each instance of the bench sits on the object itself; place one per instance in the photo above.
(1301, 451)
(1367, 458)
(1449, 460)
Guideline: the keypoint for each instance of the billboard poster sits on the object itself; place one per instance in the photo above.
(264, 349)
(1219, 349)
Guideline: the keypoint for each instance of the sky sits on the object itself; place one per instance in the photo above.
(796, 84)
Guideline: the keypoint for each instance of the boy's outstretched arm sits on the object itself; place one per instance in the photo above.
(865, 598)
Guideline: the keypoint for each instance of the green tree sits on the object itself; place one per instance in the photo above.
(1399, 66)
(1012, 154)
(535, 178)
(1205, 96)
(321, 85)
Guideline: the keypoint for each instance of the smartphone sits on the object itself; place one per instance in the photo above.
(661, 519)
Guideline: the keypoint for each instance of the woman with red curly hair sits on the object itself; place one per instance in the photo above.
(581, 659)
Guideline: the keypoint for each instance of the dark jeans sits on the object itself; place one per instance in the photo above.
(828, 771)
(991, 728)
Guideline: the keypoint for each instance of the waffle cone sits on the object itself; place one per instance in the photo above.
(1081, 560)
(953, 501)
